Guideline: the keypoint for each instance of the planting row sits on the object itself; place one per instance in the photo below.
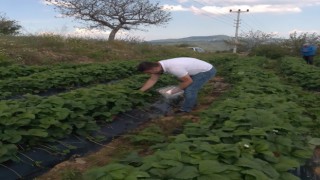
(300, 72)
(66, 78)
(259, 130)
(15, 71)
(36, 120)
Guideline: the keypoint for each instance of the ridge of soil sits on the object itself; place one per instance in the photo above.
(72, 168)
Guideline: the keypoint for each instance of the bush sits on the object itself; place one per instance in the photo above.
(273, 51)
(4, 59)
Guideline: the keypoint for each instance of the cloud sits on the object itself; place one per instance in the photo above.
(226, 9)
(174, 7)
(182, 1)
(221, 3)
(55, 3)
(299, 31)
(255, 6)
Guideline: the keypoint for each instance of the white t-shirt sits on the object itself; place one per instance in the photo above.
(182, 66)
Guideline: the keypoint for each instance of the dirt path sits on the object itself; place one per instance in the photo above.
(73, 168)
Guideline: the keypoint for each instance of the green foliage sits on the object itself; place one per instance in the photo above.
(149, 135)
(272, 51)
(259, 131)
(42, 79)
(295, 41)
(4, 60)
(115, 171)
(296, 70)
(8, 27)
(36, 120)
(70, 174)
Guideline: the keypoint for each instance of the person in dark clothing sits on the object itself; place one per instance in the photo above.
(308, 52)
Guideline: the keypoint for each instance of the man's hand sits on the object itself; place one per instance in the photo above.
(150, 82)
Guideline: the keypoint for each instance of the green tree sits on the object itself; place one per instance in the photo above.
(8, 27)
(113, 14)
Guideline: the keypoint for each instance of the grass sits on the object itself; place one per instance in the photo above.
(53, 49)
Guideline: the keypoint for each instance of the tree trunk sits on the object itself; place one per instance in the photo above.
(112, 34)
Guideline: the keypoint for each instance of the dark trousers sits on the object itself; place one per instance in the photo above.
(308, 59)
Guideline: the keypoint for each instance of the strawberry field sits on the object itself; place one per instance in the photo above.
(266, 126)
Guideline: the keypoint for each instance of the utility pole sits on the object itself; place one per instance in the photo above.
(237, 28)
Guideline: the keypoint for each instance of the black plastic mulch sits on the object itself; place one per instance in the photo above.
(39, 160)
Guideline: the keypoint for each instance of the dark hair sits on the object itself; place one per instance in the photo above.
(143, 66)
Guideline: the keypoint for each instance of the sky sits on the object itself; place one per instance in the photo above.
(189, 18)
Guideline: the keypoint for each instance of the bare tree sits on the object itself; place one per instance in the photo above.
(295, 41)
(8, 27)
(113, 14)
(253, 39)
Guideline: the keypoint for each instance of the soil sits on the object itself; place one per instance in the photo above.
(73, 168)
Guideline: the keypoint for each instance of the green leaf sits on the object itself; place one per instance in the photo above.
(157, 172)
(288, 176)
(37, 132)
(259, 165)
(12, 136)
(286, 164)
(174, 170)
(188, 172)
(171, 155)
(305, 154)
(170, 163)
(259, 175)
(250, 163)
(183, 147)
(118, 174)
(114, 167)
(261, 146)
(134, 175)
(257, 132)
(284, 141)
(233, 175)
(7, 151)
(213, 177)
(211, 167)
(314, 141)
(47, 122)
(62, 114)
(270, 157)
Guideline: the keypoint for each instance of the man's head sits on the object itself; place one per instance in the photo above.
(150, 67)
(306, 44)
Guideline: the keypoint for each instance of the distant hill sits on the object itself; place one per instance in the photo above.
(208, 43)
(194, 38)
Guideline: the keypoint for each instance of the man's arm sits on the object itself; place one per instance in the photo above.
(185, 82)
(150, 82)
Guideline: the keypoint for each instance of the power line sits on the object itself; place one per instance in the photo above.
(222, 14)
(256, 22)
(213, 17)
